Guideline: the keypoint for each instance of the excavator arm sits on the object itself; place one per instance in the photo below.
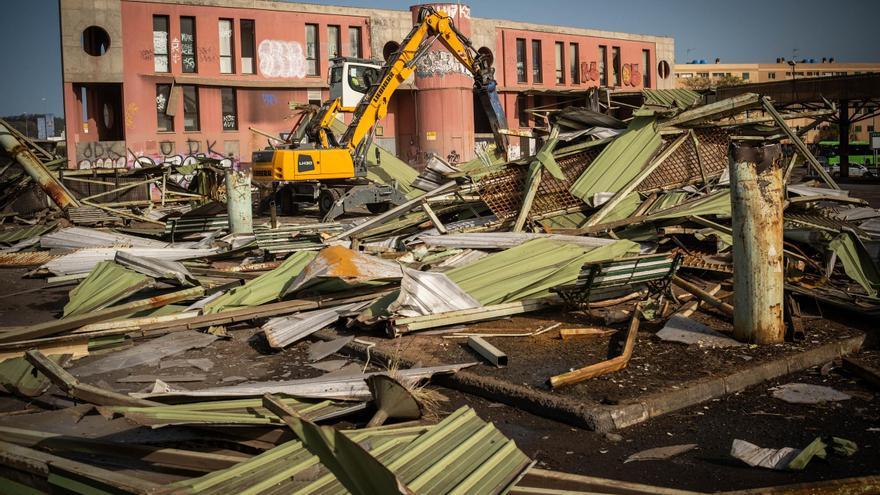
(432, 26)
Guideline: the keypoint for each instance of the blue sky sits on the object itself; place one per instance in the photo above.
(734, 30)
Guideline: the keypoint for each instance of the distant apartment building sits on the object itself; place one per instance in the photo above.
(782, 71)
(152, 81)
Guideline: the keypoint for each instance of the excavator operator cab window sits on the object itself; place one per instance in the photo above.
(361, 77)
(350, 79)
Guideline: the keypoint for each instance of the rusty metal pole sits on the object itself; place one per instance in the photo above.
(238, 201)
(756, 206)
(35, 168)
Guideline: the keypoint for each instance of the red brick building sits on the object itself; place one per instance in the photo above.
(154, 81)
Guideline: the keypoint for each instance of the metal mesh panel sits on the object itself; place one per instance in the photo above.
(683, 166)
(503, 191)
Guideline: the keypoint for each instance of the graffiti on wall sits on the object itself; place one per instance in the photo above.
(453, 9)
(101, 154)
(439, 63)
(115, 154)
(630, 74)
(282, 59)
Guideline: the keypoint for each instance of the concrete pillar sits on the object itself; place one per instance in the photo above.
(843, 137)
(238, 201)
(756, 206)
(444, 100)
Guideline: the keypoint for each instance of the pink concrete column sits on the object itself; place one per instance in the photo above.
(444, 100)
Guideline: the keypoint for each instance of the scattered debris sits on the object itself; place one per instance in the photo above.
(788, 458)
(807, 393)
(660, 453)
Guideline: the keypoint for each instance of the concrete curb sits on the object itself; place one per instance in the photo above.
(605, 418)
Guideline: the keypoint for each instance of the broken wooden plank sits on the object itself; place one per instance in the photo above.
(605, 367)
(569, 333)
(862, 370)
(703, 295)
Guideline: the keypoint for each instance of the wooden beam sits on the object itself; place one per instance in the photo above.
(609, 366)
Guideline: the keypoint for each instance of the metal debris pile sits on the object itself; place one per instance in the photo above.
(622, 215)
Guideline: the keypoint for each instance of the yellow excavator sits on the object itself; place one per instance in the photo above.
(314, 166)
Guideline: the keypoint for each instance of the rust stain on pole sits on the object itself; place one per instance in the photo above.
(756, 205)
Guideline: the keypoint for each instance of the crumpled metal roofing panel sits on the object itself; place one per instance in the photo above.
(461, 454)
(84, 260)
(619, 162)
(681, 98)
(105, 285)
(530, 269)
(82, 237)
(265, 288)
(12, 236)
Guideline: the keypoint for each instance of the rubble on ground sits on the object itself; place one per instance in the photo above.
(623, 215)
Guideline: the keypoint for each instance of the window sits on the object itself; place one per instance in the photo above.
(537, 75)
(247, 46)
(702, 74)
(226, 48)
(354, 42)
(603, 67)
(615, 65)
(164, 122)
(574, 62)
(717, 74)
(560, 63)
(858, 128)
(229, 109)
(870, 128)
(646, 72)
(311, 49)
(520, 60)
(188, 44)
(521, 113)
(160, 43)
(333, 42)
(190, 108)
(745, 76)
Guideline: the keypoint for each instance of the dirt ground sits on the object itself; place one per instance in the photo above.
(752, 415)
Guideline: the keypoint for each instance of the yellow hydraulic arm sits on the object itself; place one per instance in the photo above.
(433, 25)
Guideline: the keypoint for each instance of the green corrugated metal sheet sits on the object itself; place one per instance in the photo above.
(106, 284)
(857, 262)
(619, 162)
(667, 200)
(235, 411)
(681, 98)
(625, 208)
(12, 236)
(462, 454)
(530, 269)
(265, 288)
(574, 220)
(717, 203)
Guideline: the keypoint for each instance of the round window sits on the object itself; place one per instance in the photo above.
(390, 49)
(95, 41)
(663, 69)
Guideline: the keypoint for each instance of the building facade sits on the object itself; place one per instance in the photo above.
(860, 130)
(156, 81)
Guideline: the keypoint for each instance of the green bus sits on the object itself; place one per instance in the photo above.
(860, 153)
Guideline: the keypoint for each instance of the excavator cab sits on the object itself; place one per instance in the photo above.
(351, 78)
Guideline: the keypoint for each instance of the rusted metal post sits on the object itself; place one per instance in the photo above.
(238, 201)
(756, 206)
(39, 173)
